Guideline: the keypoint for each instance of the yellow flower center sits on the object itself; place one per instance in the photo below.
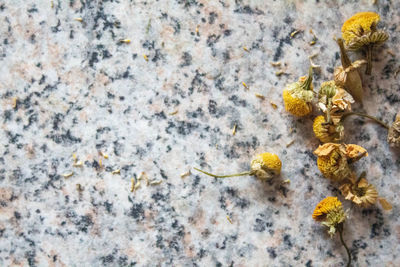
(326, 206)
(296, 106)
(359, 24)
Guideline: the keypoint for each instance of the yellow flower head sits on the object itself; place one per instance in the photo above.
(266, 165)
(326, 206)
(333, 159)
(327, 132)
(296, 106)
(297, 96)
(394, 132)
(362, 22)
(330, 212)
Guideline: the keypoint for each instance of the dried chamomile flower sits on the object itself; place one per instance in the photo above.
(362, 193)
(264, 166)
(331, 214)
(334, 159)
(394, 132)
(333, 101)
(347, 75)
(360, 32)
(297, 96)
(327, 132)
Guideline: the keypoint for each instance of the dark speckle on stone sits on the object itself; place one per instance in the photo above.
(186, 59)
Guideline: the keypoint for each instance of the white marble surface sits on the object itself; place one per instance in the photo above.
(80, 91)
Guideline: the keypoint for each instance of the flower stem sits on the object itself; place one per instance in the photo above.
(366, 116)
(340, 230)
(224, 176)
(343, 55)
(369, 60)
(307, 82)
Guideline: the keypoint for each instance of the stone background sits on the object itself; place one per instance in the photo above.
(79, 90)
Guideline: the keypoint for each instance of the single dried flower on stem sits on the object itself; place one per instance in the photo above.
(347, 75)
(360, 32)
(264, 166)
(330, 213)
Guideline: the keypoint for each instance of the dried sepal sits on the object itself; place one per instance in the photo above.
(347, 75)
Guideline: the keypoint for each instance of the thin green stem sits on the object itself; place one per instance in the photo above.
(366, 116)
(340, 230)
(224, 176)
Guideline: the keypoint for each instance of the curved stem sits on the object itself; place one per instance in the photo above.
(224, 176)
(369, 60)
(366, 116)
(340, 230)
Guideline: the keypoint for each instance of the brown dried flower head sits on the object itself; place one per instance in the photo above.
(362, 193)
(334, 159)
(394, 132)
(333, 101)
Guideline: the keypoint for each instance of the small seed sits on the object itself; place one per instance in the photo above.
(234, 129)
(260, 96)
(67, 175)
(183, 175)
(116, 172)
(294, 33)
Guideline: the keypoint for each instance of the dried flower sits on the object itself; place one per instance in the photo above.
(297, 96)
(327, 132)
(334, 159)
(347, 75)
(362, 193)
(324, 207)
(331, 214)
(263, 166)
(333, 101)
(266, 166)
(360, 32)
(394, 132)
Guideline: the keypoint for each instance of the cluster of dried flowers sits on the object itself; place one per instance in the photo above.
(335, 98)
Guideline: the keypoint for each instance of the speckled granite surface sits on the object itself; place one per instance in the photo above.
(79, 90)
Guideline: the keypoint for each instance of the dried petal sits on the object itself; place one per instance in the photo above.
(385, 204)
